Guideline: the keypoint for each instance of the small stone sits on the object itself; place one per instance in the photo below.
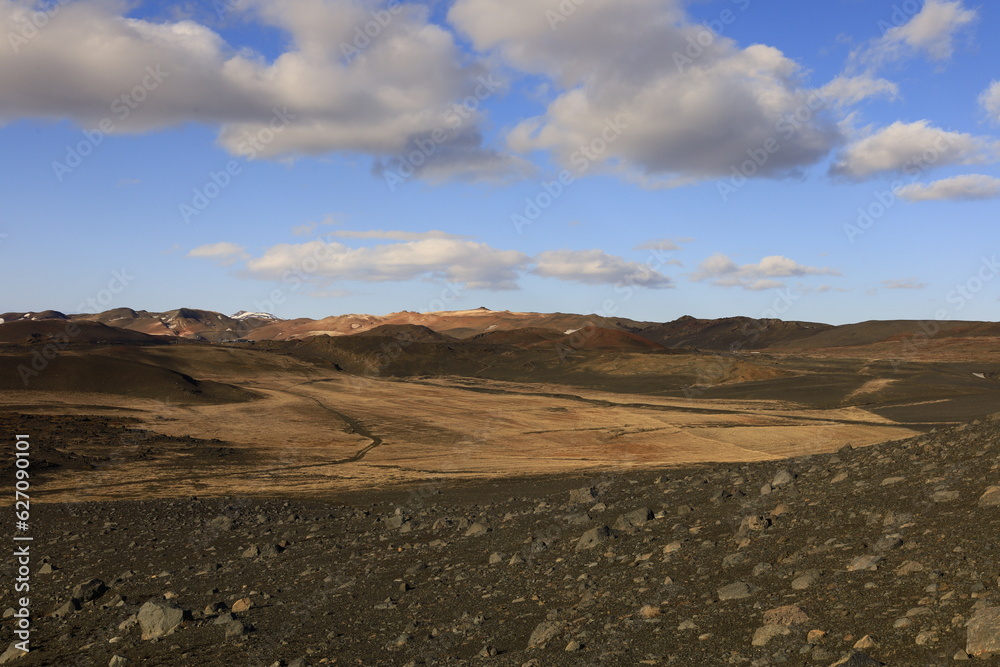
(865, 642)
(573, 646)
(241, 605)
(864, 562)
(118, 661)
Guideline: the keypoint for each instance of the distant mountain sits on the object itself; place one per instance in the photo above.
(745, 333)
(522, 329)
(266, 317)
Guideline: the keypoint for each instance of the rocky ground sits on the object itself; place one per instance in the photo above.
(884, 555)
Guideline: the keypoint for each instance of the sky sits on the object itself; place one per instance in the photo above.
(832, 161)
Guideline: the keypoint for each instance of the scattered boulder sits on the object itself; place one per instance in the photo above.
(89, 590)
(593, 537)
(983, 633)
(736, 591)
(159, 618)
(544, 632)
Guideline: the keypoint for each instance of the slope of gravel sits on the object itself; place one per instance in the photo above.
(870, 556)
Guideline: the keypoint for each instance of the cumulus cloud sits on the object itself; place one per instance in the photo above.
(990, 100)
(93, 62)
(324, 262)
(930, 32)
(910, 148)
(477, 265)
(907, 283)
(968, 187)
(721, 270)
(595, 267)
(634, 96)
(224, 253)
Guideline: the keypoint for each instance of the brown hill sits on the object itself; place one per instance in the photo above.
(878, 331)
(89, 372)
(519, 337)
(745, 333)
(407, 332)
(27, 331)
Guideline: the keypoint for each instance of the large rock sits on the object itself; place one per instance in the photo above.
(11, 654)
(544, 632)
(89, 590)
(159, 618)
(736, 591)
(584, 495)
(984, 632)
(991, 498)
(635, 519)
(593, 537)
(790, 614)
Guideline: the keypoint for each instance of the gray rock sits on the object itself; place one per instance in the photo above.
(66, 609)
(736, 591)
(89, 590)
(236, 629)
(11, 654)
(584, 495)
(593, 537)
(634, 519)
(864, 562)
(118, 661)
(983, 634)
(544, 632)
(782, 478)
(765, 634)
(159, 618)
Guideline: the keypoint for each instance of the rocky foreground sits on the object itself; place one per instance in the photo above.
(885, 555)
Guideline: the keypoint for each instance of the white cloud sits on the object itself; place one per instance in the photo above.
(477, 265)
(906, 283)
(595, 267)
(966, 187)
(402, 86)
(849, 90)
(990, 100)
(662, 245)
(324, 262)
(721, 270)
(910, 148)
(390, 235)
(224, 253)
(626, 90)
(931, 31)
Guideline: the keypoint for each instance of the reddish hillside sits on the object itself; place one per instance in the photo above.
(597, 338)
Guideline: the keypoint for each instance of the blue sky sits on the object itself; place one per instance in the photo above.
(831, 161)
